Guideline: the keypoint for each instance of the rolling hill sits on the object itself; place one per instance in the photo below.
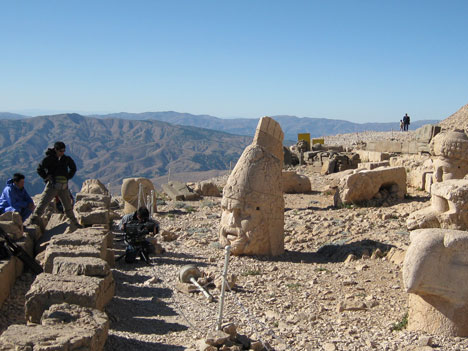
(112, 149)
(291, 125)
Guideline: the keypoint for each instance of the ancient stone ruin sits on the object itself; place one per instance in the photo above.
(363, 185)
(131, 193)
(435, 274)
(253, 206)
(451, 151)
(448, 210)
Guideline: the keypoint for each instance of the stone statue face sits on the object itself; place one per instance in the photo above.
(252, 220)
(241, 227)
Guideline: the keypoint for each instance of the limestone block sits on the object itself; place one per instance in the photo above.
(97, 216)
(105, 200)
(12, 224)
(130, 190)
(94, 186)
(372, 156)
(449, 207)
(252, 220)
(417, 167)
(435, 273)
(54, 251)
(90, 266)
(50, 289)
(7, 278)
(207, 188)
(295, 183)
(373, 165)
(179, 192)
(363, 185)
(63, 327)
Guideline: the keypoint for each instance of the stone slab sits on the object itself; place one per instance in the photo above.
(89, 266)
(50, 289)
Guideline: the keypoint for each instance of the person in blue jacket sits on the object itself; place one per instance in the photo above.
(15, 197)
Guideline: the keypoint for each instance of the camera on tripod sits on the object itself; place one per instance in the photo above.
(135, 238)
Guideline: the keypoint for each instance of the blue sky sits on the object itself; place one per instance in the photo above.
(356, 60)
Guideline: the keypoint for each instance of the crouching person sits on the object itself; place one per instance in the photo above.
(56, 169)
(15, 198)
(139, 230)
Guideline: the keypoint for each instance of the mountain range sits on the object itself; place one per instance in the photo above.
(291, 125)
(112, 149)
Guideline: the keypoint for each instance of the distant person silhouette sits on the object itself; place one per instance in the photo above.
(401, 125)
(406, 122)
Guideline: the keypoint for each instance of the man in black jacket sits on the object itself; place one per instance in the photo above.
(56, 169)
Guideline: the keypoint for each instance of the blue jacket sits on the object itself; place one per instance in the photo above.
(13, 198)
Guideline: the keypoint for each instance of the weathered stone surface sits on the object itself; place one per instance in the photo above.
(50, 289)
(94, 186)
(373, 165)
(84, 242)
(96, 200)
(90, 266)
(12, 223)
(63, 327)
(435, 273)
(363, 185)
(178, 191)
(295, 183)
(130, 190)
(449, 207)
(97, 216)
(451, 149)
(7, 278)
(253, 206)
(373, 156)
(417, 167)
(207, 188)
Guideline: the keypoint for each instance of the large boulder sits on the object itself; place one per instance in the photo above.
(294, 183)
(363, 185)
(435, 273)
(207, 188)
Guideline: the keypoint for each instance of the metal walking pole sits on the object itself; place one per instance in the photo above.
(152, 204)
(223, 287)
(140, 194)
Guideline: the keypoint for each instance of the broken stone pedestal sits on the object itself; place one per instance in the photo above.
(435, 273)
(178, 191)
(50, 289)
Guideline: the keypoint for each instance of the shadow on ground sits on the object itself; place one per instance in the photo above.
(118, 343)
(331, 253)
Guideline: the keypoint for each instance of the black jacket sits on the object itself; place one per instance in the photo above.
(54, 167)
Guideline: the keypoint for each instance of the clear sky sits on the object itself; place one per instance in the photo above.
(353, 59)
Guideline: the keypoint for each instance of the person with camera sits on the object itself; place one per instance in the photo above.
(137, 227)
(56, 169)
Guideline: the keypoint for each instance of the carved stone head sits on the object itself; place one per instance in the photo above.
(252, 221)
(452, 151)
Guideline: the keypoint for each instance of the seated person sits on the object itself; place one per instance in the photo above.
(15, 198)
(141, 216)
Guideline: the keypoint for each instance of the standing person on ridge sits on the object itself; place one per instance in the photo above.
(406, 122)
(56, 169)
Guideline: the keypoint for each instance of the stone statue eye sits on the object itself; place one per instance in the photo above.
(258, 208)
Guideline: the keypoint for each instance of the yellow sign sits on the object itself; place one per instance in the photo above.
(304, 136)
(318, 141)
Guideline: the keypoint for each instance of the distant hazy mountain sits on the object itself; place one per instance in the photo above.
(113, 149)
(291, 125)
(9, 115)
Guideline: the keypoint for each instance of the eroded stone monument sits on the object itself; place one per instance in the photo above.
(131, 190)
(252, 221)
(435, 273)
(448, 210)
(451, 149)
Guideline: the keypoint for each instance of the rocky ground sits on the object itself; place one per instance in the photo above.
(313, 297)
